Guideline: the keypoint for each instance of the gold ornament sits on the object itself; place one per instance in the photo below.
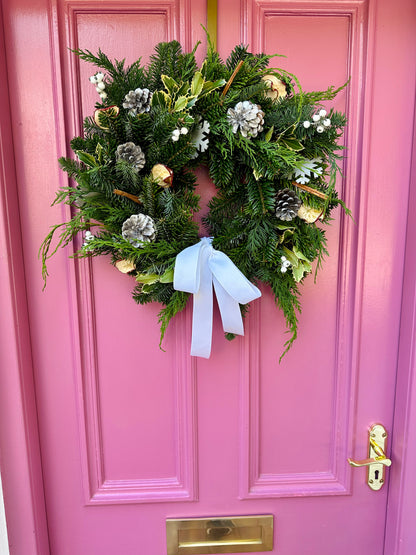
(162, 175)
(309, 214)
(125, 266)
(277, 88)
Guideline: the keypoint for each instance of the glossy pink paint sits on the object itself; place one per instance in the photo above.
(130, 435)
(20, 463)
(400, 530)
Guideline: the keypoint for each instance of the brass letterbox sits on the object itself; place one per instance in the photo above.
(228, 534)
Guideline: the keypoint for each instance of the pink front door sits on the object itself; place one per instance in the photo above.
(131, 435)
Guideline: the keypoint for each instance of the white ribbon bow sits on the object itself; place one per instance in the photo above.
(196, 269)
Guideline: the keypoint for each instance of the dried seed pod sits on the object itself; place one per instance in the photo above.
(309, 214)
(109, 112)
(277, 88)
(162, 175)
(125, 266)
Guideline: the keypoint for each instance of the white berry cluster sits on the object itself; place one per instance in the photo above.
(88, 237)
(285, 264)
(319, 121)
(98, 81)
(176, 133)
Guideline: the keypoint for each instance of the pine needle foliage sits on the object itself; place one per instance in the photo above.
(189, 123)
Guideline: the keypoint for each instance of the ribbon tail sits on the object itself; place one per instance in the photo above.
(203, 308)
(232, 321)
(202, 322)
(232, 279)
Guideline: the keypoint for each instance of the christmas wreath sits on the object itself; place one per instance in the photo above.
(271, 151)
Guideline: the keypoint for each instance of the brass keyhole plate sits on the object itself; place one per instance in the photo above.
(376, 472)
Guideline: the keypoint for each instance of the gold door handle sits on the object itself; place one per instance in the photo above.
(380, 458)
(377, 459)
(368, 462)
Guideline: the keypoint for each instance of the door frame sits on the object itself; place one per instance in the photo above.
(20, 454)
(400, 530)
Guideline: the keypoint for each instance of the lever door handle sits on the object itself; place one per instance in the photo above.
(368, 462)
(377, 459)
(378, 450)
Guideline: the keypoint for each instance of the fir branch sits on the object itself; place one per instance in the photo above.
(315, 97)
(101, 60)
(176, 304)
(165, 61)
(67, 233)
(72, 167)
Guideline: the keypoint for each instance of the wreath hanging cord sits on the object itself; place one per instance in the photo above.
(272, 153)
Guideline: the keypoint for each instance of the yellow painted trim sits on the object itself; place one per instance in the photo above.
(212, 11)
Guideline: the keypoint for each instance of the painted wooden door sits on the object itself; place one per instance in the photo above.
(131, 435)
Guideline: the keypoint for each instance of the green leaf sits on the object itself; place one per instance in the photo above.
(293, 259)
(148, 279)
(180, 104)
(269, 134)
(191, 101)
(183, 89)
(88, 159)
(211, 86)
(283, 227)
(170, 84)
(167, 277)
(99, 152)
(204, 67)
(307, 266)
(302, 269)
(197, 84)
(287, 232)
(298, 272)
(160, 99)
(300, 254)
(292, 144)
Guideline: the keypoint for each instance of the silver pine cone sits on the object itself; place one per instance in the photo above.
(133, 154)
(246, 117)
(139, 229)
(137, 101)
(287, 205)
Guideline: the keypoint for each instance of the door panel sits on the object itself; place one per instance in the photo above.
(298, 426)
(126, 463)
(132, 435)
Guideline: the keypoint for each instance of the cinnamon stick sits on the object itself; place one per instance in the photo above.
(231, 79)
(134, 198)
(310, 190)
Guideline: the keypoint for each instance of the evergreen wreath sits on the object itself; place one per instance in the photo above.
(270, 148)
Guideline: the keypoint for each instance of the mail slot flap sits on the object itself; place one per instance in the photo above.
(233, 534)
